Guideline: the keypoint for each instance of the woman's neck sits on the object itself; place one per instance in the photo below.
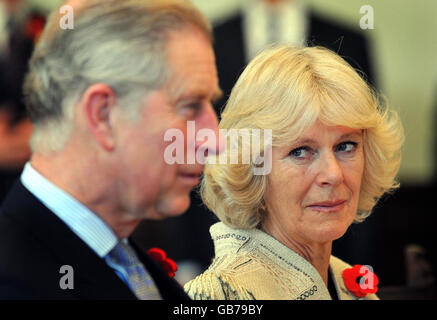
(318, 254)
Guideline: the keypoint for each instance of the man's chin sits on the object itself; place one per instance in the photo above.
(170, 208)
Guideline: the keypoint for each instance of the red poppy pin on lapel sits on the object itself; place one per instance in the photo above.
(160, 256)
(35, 26)
(360, 280)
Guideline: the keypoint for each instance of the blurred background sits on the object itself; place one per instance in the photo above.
(397, 53)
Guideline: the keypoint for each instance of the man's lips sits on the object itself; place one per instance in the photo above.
(191, 178)
(328, 206)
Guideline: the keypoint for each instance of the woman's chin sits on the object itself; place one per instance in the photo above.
(330, 234)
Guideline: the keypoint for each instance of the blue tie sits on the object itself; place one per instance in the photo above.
(139, 280)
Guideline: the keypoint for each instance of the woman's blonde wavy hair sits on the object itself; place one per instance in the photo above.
(286, 89)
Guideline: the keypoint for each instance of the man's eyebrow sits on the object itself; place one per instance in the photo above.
(199, 96)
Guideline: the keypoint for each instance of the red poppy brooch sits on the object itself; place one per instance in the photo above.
(360, 280)
(35, 26)
(167, 264)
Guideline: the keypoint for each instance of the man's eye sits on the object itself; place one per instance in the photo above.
(190, 110)
(347, 146)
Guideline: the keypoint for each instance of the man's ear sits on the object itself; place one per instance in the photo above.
(98, 104)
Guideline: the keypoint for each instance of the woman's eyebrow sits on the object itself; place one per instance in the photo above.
(304, 141)
(351, 135)
(347, 135)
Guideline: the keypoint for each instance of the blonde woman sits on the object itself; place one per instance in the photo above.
(335, 150)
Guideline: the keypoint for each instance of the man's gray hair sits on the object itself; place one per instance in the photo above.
(119, 43)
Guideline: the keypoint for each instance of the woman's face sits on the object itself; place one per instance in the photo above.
(314, 186)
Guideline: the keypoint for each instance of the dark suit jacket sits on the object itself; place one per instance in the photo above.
(35, 243)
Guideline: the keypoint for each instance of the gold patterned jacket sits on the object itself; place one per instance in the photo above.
(250, 264)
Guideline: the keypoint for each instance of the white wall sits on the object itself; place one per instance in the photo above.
(405, 50)
(45, 5)
(404, 43)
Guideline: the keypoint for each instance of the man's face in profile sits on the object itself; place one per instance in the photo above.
(150, 187)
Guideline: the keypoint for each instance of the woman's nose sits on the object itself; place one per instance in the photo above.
(330, 172)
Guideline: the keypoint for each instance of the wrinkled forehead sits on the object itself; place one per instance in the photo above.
(340, 108)
(339, 111)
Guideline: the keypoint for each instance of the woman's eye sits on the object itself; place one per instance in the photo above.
(301, 152)
(348, 146)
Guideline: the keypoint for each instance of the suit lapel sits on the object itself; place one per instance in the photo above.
(93, 278)
(168, 287)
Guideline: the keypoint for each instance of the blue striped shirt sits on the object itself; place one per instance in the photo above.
(83, 222)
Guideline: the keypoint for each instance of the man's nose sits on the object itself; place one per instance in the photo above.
(208, 140)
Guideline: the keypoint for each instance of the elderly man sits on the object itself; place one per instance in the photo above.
(101, 97)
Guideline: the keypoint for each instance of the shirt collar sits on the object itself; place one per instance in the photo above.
(83, 222)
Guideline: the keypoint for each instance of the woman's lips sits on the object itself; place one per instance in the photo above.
(328, 206)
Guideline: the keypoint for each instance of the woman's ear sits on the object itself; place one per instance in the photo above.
(98, 104)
